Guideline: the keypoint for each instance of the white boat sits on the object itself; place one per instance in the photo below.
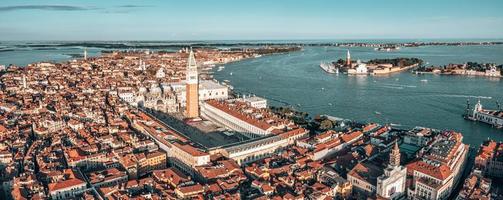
(424, 80)
(329, 68)
(387, 49)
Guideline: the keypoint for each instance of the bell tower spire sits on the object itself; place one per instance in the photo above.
(24, 82)
(192, 87)
(394, 156)
(348, 59)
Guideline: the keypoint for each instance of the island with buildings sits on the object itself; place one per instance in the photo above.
(372, 67)
(147, 125)
(466, 69)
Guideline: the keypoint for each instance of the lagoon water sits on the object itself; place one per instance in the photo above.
(295, 78)
(401, 99)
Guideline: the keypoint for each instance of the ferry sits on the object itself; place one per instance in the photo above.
(387, 49)
(329, 68)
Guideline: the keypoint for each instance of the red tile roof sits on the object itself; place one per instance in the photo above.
(441, 172)
(350, 136)
(222, 169)
(260, 123)
(190, 149)
(3, 129)
(293, 132)
(171, 175)
(61, 185)
(366, 172)
(191, 189)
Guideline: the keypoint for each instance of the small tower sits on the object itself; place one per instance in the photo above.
(467, 111)
(394, 156)
(160, 73)
(477, 108)
(348, 59)
(24, 82)
(141, 65)
(85, 53)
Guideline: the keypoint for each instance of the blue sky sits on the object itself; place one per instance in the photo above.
(257, 19)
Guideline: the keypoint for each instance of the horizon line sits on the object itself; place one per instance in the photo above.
(206, 40)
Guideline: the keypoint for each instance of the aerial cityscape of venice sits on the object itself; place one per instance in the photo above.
(263, 99)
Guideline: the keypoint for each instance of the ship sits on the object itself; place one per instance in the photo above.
(387, 49)
(329, 68)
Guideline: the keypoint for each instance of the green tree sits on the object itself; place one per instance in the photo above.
(326, 124)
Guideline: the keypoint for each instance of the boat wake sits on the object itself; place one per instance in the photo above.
(400, 85)
(394, 87)
(463, 96)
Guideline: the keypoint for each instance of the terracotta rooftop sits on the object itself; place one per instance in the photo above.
(191, 188)
(237, 110)
(71, 181)
(440, 172)
(366, 172)
(350, 136)
(172, 175)
(190, 149)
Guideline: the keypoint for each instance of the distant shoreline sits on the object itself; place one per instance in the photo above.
(223, 44)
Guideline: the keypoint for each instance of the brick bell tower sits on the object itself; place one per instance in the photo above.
(192, 88)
